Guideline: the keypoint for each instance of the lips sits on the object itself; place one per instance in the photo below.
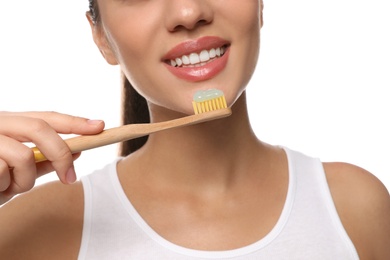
(198, 60)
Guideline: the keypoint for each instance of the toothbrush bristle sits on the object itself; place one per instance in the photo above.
(210, 104)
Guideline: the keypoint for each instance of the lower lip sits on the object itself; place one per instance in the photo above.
(201, 73)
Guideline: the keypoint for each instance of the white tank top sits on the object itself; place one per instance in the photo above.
(308, 227)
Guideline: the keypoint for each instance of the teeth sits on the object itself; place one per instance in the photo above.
(204, 56)
(212, 53)
(195, 58)
(178, 62)
(218, 52)
(185, 60)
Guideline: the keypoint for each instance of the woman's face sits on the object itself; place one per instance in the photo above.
(145, 36)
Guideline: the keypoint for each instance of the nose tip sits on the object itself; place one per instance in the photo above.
(189, 15)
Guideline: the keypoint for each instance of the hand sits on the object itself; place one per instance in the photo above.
(18, 170)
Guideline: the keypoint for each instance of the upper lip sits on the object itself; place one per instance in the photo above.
(195, 46)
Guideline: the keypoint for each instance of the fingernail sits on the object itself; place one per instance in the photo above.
(71, 175)
(94, 122)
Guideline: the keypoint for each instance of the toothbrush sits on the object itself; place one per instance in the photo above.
(208, 105)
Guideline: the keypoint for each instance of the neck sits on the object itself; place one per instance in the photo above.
(216, 152)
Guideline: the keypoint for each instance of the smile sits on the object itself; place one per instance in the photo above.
(198, 59)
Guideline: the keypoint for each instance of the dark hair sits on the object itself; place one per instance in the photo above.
(134, 111)
(134, 107)
(94, 11)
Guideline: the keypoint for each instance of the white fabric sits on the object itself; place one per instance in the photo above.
(308, 228)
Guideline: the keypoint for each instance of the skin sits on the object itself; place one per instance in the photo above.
(242, 175)
(18, 170)
(139, 52)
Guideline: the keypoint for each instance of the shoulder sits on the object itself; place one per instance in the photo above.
(47, 220)
(363, 204)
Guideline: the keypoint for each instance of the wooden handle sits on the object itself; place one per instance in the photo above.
(128, 132)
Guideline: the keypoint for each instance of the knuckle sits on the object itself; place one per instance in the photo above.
(63, 153)
(52, 115)
(23, 184)
(26, 155)
(39, 125)
(75, 123)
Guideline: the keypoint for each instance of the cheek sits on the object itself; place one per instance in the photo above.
(133, 43)
(129, 32)
(244, 19)
(139, 61)
(247, 20)
(129, 42)
(245, 14)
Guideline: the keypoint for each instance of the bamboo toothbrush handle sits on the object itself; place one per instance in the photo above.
(127, 132)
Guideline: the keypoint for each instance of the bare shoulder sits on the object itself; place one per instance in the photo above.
(363, 204)
(44, 222)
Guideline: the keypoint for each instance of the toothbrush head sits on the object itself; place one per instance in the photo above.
(208, 100)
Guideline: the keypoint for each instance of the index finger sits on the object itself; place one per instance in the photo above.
(63, 123)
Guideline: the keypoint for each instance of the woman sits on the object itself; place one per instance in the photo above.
(207, 191)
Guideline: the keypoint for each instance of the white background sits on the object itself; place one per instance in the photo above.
(321, 86)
